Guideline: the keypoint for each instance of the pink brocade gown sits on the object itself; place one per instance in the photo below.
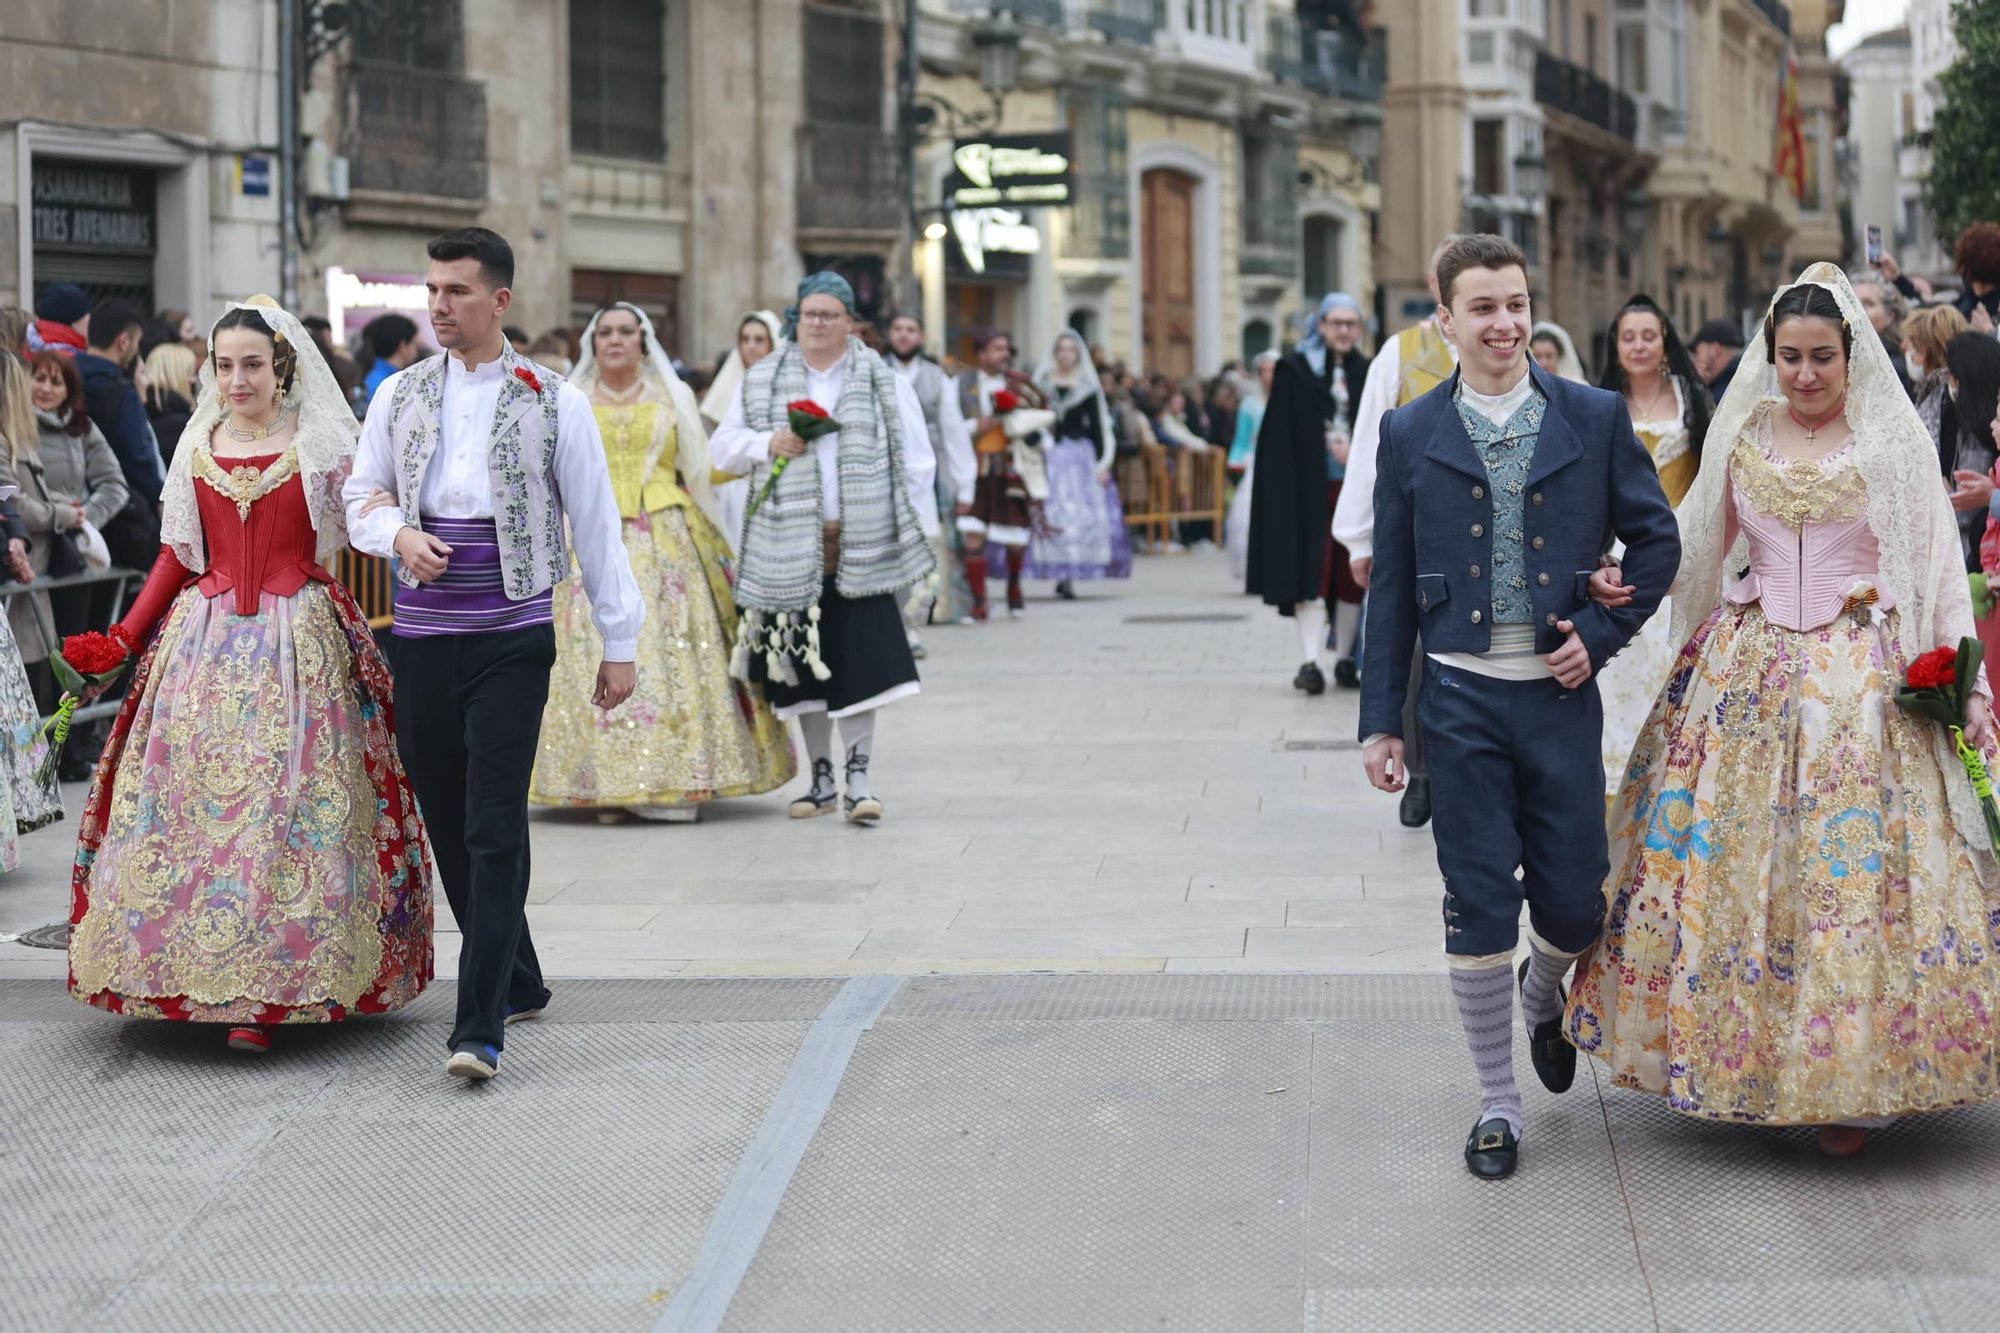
(1798, 930)
(251, 850)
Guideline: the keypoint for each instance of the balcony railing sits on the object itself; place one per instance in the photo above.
(849, 179)
(1325, 61)
(1217, 33)
(1130, 21)
(1050, 13)
(416, 131)
(1777, 12)
(1571, 89)
(1100, 219)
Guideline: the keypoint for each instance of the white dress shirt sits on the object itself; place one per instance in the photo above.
(1354, 514)
(958, 463)
(736, 448)
(458, 485)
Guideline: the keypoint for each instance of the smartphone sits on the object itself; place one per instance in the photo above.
(1874, 244)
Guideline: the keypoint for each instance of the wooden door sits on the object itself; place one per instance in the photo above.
(1167, 271)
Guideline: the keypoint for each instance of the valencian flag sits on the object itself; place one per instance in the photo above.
(1791, 133)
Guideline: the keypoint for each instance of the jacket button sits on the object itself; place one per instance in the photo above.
(1477, 617)
(1539, 543)
(1537, 497)
(1478, 529)
(1475, 571)
(1542, 579)
(1479, 492)
(1552, 617)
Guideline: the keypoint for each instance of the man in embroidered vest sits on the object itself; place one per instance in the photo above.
(1409, 366)
(466, 477)
(1013, 479)
(951, 447)
(1495, 496)
(830, 542)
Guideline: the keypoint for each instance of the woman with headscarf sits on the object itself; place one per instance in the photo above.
(1084, 536)
(1669, 408)
(1301, 460)
(1555, 352)
(1800, 926)
(251, 852)
(757, 336)
(689, 733)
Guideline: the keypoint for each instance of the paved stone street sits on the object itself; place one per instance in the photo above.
(752, 1111)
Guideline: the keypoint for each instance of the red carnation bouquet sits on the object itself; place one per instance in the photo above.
(87, 663)
(808, 420)
(1005, 401)
(1939, 687)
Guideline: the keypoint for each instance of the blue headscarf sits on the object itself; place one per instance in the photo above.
(1312, 344)
(823, 283)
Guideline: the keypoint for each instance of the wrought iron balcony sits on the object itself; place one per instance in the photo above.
(415, 131)
(1049, 13)
(1326, 62)
(1777, 12)
(849, 179)
(1571, 89)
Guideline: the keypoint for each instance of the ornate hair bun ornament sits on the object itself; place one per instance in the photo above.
(265, 302)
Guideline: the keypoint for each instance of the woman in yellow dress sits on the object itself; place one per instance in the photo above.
(1670, 409)
(689, 733)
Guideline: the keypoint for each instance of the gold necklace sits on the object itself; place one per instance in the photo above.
(245, 485)
(251, 436)
(623, 396)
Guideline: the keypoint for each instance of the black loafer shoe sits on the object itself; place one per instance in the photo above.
(1346, 674)
(1310, 679)
(1491, 1150)
(1415, 811)
(1554, 1057)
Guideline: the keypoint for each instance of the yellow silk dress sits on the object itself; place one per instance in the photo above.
(1631, 681)
(690, 732)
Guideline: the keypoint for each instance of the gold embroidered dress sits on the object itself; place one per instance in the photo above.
(1799, 930)
(689, 733)
(251, 850)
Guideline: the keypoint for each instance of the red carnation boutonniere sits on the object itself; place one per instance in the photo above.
(527, 377)
(807, 420)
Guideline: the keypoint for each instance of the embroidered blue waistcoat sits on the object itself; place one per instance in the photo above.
(1508, 451)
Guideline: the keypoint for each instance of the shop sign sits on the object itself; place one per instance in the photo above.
(1012, 171)
(354, 297)
(981, 232)
(90, 207)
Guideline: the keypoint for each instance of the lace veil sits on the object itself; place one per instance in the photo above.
(1087, 386)
(662, 386)
(324, 438)
(1922, 567)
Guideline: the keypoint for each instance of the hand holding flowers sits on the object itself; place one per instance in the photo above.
(805, 421)
(1940, 687)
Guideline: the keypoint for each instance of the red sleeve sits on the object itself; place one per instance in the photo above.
(164, 584)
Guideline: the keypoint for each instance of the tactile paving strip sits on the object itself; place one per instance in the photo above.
(1103, 1165)
(1248, 999)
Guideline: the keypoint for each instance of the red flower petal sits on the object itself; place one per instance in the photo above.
(527, 377)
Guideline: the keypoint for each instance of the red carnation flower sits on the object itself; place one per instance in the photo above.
(1935, 669)
(807, 406)
(1005, 401)
(527, 377)
(93, 654)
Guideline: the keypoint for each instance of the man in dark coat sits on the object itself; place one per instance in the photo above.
(1294, 563)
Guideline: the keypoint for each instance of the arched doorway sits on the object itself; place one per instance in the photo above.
(1166, 201)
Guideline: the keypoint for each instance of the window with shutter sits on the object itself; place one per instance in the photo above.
(618, 78)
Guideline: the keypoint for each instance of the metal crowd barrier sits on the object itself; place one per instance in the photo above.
(116, 574)
(1162, 486)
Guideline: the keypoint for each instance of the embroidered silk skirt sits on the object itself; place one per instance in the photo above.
(22, 748)
(690, 732)
(1086, 537)
(251, 850)
(1799, 932)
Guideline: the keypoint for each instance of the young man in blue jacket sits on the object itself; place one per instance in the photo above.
(1495, 495)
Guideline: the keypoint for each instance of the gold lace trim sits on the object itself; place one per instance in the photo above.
(1798, 491)
(246, 485)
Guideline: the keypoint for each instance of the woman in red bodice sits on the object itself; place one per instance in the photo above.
(251, 852)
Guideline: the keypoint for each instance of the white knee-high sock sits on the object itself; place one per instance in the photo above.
(1312, 629)
(817, 731)
(857, 733)
(1346, 627)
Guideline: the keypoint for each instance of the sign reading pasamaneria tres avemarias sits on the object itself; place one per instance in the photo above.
(1012, 171)
(90, 206)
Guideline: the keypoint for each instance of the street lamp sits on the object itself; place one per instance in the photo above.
(1633, 209)
(936, 231)
(1531, 174)
(1719, 246)
(996, 42)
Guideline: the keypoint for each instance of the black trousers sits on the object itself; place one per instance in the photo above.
(468, 720)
